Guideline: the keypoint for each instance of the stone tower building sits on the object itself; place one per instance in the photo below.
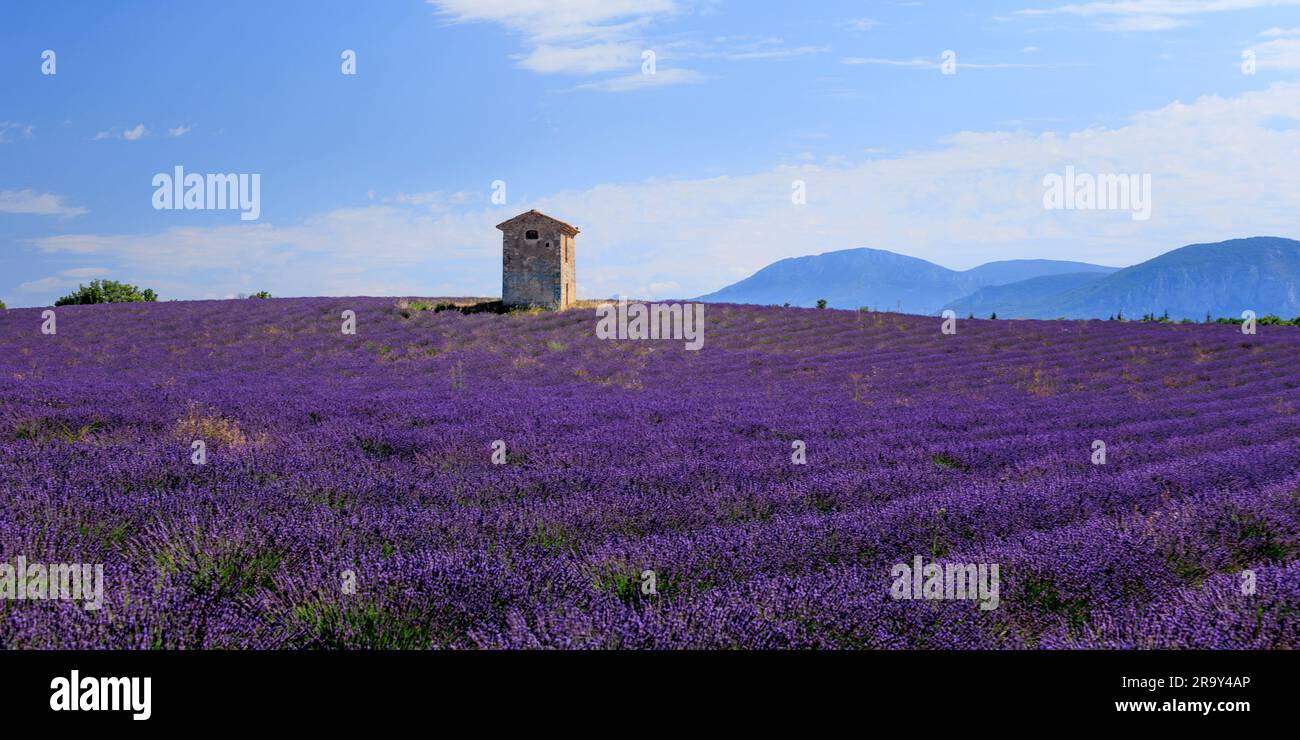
(537, 261)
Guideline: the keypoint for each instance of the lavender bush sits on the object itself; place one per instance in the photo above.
(349, 498)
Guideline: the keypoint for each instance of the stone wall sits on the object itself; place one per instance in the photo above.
(533, 272)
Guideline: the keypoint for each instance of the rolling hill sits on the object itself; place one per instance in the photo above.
(1261, 274)
(1017, 299)
(885, 280)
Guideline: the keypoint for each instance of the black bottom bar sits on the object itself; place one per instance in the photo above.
(217, 690)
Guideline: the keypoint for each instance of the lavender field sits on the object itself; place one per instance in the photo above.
(349, 498)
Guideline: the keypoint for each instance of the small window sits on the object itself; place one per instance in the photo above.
(531, 235)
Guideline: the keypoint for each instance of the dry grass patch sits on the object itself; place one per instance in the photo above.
(210, 426)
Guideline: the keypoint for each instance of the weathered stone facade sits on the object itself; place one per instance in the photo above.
(537, 261)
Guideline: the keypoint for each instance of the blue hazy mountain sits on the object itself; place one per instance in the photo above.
(1017, 300)
(853, 278)
(1261, 274)
(1011, 271)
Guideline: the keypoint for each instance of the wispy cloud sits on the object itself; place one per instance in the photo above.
(376, 250)
(581, 60)
(1150, 15)
(64, 280)
(580, 37)
(638, 81)
(558, 19)
(594, 38)
(914, 62)
(9, 130)
(178, 131)
(131, 134)
(38, 204)
(920, 63)
(1281, 52)
(1278, 54)
(777, 54)
(862, 24)
(742, 48)
(435, 201)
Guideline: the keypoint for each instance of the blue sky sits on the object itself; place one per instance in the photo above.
(381, 182)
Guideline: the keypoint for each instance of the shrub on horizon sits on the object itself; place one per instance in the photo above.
(107, 291)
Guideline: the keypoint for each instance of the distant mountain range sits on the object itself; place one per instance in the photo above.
(886, 281)
(1223, 279)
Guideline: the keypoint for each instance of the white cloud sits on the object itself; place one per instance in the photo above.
(862, 24)
(567, 36)
(741, 48)
(1151, 15)
(783, 53)
(34, 203)
(972, 197)
(131, 134)
(10, 129)
(64, 280)
(1143, 23)
(179, 131)
(600, 37)
(348, 251)
(921, 63)
(435, 201)
(585, 60)
(638, 81)
(1281, 52)
(556, 19)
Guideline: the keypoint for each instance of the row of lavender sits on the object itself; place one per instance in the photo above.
(349, 496)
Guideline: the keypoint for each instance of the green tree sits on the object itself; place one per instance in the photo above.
(2, 305)
(821, 303)
(260, 294)
(107, 291)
